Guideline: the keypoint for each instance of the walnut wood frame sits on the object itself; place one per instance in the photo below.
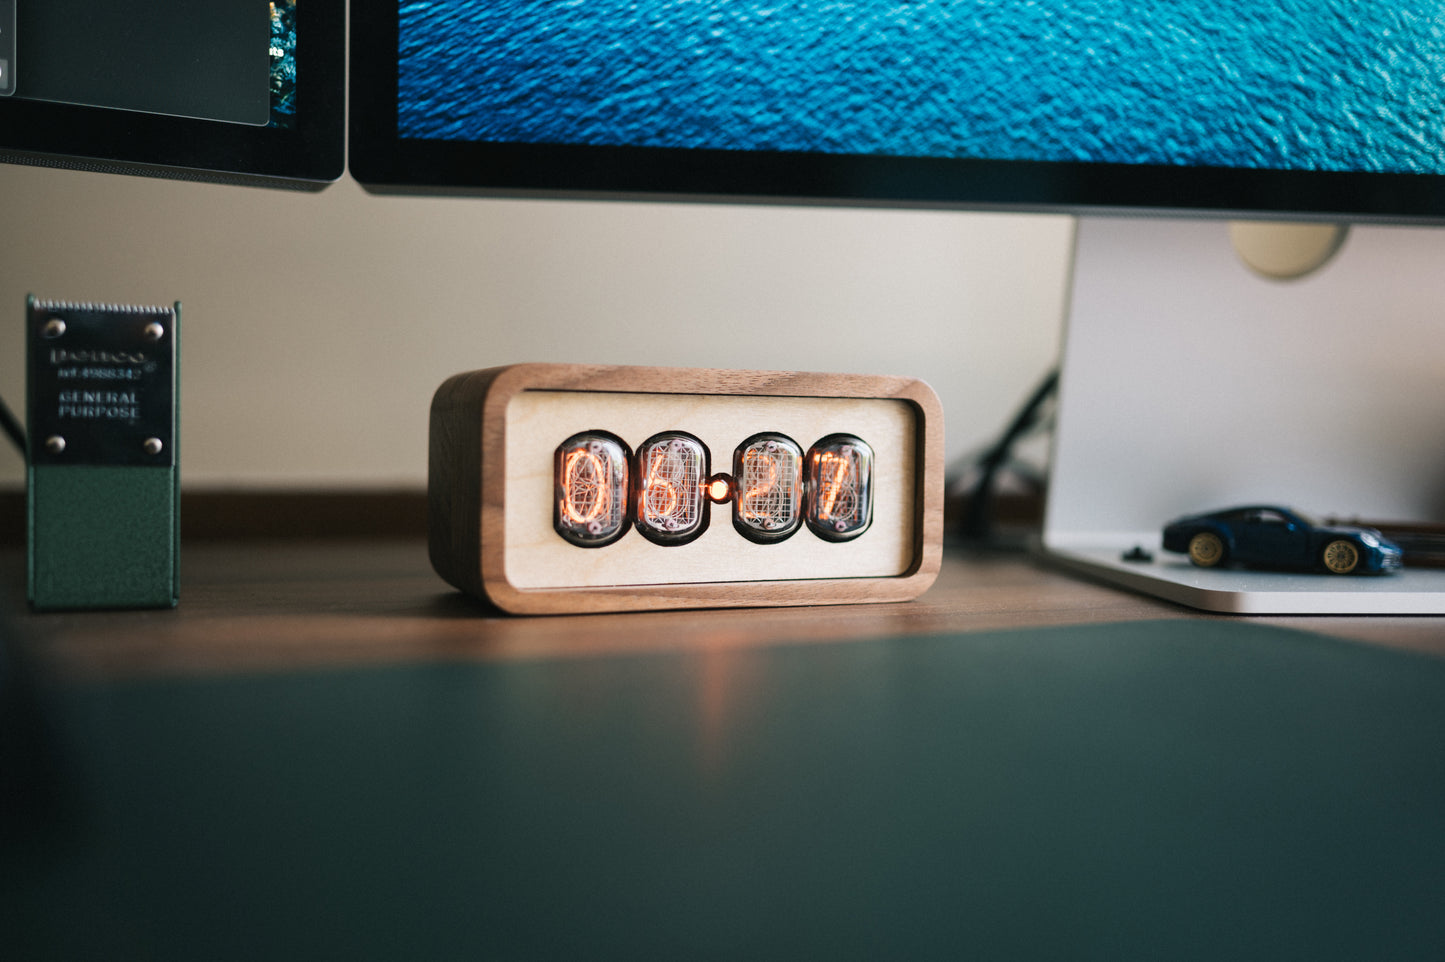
(467, 489)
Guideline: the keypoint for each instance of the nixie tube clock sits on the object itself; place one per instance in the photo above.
(565, 488)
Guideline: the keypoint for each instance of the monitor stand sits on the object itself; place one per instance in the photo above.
(1191, 383)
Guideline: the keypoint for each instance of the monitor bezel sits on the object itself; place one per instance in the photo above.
(383, 161)
(309, 154)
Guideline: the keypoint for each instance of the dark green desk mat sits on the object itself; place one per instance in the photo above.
(1162, 790)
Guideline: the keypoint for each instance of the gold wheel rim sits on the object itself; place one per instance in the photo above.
(1341, 557)
(1206, 549)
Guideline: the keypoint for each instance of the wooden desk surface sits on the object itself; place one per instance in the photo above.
(280, 605)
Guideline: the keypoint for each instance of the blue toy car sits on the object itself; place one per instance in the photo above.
(1263, 536)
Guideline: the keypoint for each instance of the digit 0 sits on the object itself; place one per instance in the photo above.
(590, 482)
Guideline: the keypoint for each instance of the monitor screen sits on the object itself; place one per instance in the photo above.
(225, 89)
(1290, 108)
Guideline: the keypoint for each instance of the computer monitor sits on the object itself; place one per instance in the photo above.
(235, 90)
(1277, 109)
(1188, 381)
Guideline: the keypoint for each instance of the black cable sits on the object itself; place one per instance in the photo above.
(13, 430)
(978, 519)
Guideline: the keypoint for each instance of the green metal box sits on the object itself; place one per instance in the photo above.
(103, 478)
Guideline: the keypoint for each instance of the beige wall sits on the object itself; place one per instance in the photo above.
(316, 326)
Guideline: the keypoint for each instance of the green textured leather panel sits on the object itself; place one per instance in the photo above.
(103, 537)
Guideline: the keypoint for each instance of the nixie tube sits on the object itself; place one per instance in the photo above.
(839, 487)
(768, 505)
(669, 503)
(590, 484)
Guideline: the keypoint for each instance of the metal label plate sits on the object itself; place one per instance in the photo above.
(101, 384)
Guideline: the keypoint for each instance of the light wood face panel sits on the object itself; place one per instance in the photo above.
(491, 487)
(537, 421)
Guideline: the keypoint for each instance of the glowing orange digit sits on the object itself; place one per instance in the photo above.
(835, 471)
(840, 487)
(660, 491)
(670, 502)
(768, 468)
(590, 484)
(761, 489)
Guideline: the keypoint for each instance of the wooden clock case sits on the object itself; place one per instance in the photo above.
(494, 432)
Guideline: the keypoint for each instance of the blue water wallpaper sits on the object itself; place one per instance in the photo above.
(1282, 84)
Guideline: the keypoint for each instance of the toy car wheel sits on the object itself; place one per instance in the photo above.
(1341, 556)
(1206, 549)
